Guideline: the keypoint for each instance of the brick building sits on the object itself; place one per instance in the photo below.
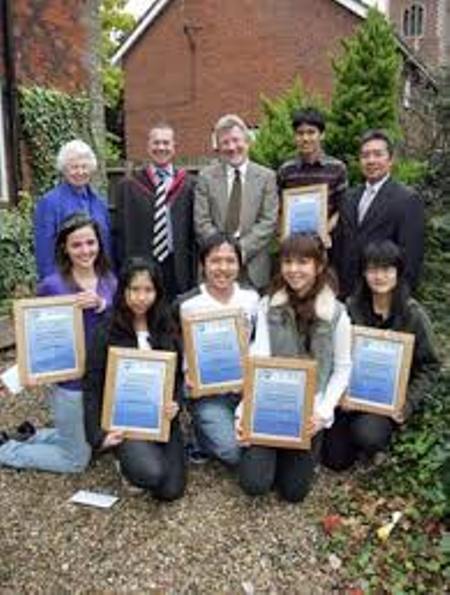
(42, 43)
(190, 61)
(425, 27)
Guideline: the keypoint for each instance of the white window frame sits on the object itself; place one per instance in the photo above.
(4, 187)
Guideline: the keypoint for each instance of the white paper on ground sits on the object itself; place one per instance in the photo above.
(10, 379)
(93, 499)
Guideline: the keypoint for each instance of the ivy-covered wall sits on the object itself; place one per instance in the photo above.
(50, 118)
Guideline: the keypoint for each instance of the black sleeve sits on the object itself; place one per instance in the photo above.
(93, 381)
(179, 376)
(340, 189)
(411, 237)
(425, 365)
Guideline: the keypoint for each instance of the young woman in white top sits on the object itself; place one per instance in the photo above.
(301, 317)
(213, 416)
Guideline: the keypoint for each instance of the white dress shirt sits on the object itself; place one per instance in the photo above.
(368, 196)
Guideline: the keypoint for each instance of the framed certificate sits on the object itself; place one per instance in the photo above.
(305, 210)
(278, 401)
(380, 370)
(215, 344)
(138, 385)
(50, 339)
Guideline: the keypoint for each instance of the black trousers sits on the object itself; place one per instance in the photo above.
(289, 471)
(353, 434)
(155, 466)
(169, 278)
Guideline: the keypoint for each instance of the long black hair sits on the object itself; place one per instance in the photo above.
(68, 226)
(383, 254)
(160, 322)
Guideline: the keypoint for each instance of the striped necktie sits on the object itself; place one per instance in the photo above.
(160, 242)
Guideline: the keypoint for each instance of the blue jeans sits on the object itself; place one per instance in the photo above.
(214, 425)
(62, 449)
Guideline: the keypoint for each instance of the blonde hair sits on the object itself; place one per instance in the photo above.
(230, 121)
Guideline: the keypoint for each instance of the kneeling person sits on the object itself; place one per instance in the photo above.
(213, 415)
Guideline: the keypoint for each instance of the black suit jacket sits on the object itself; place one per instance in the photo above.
(135, 201)
(397, 214)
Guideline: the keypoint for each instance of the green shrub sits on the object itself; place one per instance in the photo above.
(274, 141)
(17, 264)
(411, 172)
(50, 118)
(367, 90)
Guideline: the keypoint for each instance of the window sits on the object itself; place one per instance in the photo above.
(413, 21)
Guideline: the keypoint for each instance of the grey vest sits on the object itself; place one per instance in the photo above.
(285, 340)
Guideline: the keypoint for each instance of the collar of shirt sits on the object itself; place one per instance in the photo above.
(319, 160)
(242, 169)
(376, 187)
(230, 174)
(168, 169)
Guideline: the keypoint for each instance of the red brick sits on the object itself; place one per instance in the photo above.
(50, 39)
(243, 48)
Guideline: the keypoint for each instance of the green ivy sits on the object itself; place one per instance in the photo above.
(50, 118)
(17, 266)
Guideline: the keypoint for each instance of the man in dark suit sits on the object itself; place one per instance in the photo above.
(154, 216)
(239, 197)
(380, 209)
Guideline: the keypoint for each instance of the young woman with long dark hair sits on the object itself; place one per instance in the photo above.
(83, 270)
(382, 301)
(141, 318)
(301, 317)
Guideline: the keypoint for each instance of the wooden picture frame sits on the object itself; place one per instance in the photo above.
(214, 370)
(289, 373)
(134, 374)
(375, 372)
(313, 201)
(48, 329)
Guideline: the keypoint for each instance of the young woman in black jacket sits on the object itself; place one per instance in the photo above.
(382, 301)
(141, 318)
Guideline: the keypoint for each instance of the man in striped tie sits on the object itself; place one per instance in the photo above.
(154, 216)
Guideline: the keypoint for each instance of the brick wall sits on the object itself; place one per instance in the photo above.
(50, 40)
(428, 47)
(233, 52)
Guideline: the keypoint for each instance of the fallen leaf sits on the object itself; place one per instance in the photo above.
(331, 523)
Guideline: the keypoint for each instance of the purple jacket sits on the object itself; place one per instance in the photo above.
(55, 284)
(53, 208)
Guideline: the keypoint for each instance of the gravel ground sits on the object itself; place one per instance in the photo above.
(214, 540)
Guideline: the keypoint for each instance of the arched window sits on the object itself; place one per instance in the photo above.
(413, 20)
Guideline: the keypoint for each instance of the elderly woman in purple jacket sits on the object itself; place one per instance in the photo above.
(76, 162)
(82, 269)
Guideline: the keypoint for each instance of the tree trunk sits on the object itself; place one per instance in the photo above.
(95, 90)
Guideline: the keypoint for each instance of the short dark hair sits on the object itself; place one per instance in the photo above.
(68, 226)
(309, 116)
(214, 241)
(377, 134)
(383, 254)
